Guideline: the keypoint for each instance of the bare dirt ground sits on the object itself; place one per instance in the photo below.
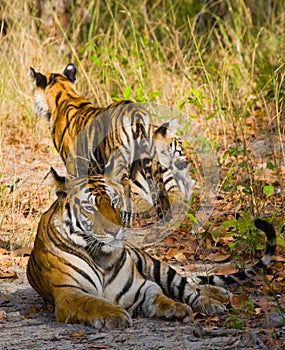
(25, 324)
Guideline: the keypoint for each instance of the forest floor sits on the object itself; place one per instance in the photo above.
(255, 322)
(25, 324)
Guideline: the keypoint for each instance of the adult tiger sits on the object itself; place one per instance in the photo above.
(82, 268)
(117, 139)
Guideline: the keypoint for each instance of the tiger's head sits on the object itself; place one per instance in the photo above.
(48, 88)
(174, 155)
(171, 150)
(90, 214)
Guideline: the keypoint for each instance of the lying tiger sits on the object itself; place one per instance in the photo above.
(82, 267)
(118, 141)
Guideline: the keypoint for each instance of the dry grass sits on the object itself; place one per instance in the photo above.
(230, 76)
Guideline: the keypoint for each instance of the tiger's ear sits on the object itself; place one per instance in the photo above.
(59, 182)
(167, 129)
(39, 78)
(70, 72)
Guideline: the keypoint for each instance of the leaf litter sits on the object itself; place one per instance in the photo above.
(256, 306)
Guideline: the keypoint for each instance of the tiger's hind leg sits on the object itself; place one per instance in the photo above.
(162, 198)
(151, 302)
(200, 297)
(157, 188)
(128, 212)
(163, 195)
(74, 306)
(208, 299)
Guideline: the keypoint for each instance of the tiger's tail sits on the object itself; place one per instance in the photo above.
(247, 273)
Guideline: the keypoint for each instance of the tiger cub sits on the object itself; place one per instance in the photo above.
(84, 270)
(174, 158)
(117, 141)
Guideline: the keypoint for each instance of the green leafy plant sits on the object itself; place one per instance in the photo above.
(234, 319)
(247, 237)
(136, 96)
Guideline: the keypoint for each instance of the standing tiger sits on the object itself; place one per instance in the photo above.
(84, 270)
(117, 141)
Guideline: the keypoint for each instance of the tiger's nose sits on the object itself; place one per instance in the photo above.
(114, 231)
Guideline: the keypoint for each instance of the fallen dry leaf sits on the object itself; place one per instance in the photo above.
(198, 316)
(227, 269)
(4, 299)
(213, 319)
(217, 257)
(77, 335)
(3, 315)
(258, 310)
(208, 243)
(279, 287)
(239, 301)
(25, 317)
(280, 276)
(171, 252)
(33, 309)
(279, 265)
(220, 258)
(9, 274)
(278, 258)
(170, 240)
(266, 305)
(269, 278)
(180, 257)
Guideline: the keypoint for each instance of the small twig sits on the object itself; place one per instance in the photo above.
(201, 332)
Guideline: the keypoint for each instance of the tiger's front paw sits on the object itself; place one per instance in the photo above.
(212, 300)
(115, 318)
(170, 309)
(94, 312)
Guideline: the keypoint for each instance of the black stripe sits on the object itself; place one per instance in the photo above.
(75, 268)
(181, 288)
(138, 310)
(207, 279)
(168, 180)
(197, 296)
(70, 286)
(68, 247)
(126, 286)
(140, 185)
(170, 276)
(139, 262)
(156, 271)
(116, 268)
(83, 104)
(57, 98)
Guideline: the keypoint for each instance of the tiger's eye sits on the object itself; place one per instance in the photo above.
(90, 208)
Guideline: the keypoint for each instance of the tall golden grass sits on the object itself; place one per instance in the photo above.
(227, 73)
